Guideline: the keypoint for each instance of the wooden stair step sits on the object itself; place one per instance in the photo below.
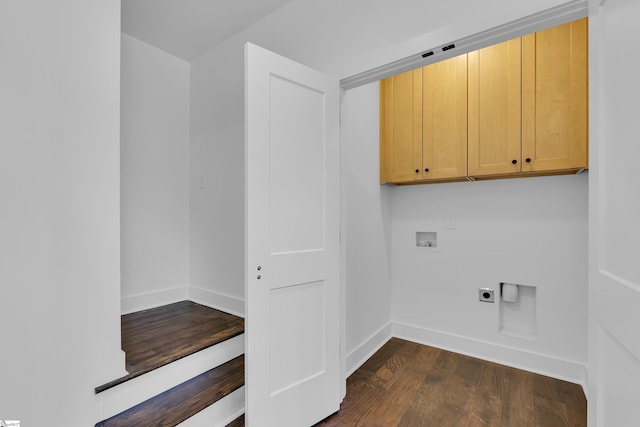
(238, 422)
(158, 336)
(183, 401)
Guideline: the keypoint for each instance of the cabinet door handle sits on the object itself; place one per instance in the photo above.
(417, 170)
(514, 161)
(426, 169)
(528, 160)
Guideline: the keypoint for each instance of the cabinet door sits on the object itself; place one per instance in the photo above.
(554, 90)
(444, 119)
(401, 127)
(494, 109)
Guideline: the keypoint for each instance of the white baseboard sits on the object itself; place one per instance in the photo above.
(128, 394)
(567, 370)
(139, 302)
(366, 349)
(221, 302)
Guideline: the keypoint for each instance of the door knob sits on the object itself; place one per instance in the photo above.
(528, 160)
(514, 161)
(426, 169)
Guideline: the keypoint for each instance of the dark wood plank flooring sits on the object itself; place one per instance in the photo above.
(183, 401)
(409, 384)
(158, 336)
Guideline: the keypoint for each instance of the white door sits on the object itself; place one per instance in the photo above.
(292, 242)
(614, 279)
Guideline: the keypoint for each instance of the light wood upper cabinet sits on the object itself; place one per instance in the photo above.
(423, 123)
(518, 108)
(494, 109)
(401, 127)
(444, 119)
(554, 94)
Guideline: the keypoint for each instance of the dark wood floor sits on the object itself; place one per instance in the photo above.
(158, 336)
(408, 384)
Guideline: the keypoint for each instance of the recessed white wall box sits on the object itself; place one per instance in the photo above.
(427, 240)
(518, 318)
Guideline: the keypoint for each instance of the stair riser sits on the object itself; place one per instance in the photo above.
(220, 413)
(130, 393)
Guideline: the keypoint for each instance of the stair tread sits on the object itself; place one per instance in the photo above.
(158, 336)
(184, 400)
(238, 422)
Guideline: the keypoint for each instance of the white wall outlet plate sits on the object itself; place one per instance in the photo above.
(486, 295)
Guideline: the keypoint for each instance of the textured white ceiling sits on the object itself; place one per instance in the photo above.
(189, 28)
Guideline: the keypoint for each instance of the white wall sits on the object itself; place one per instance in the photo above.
(366, 225)
(341, 39)
(60, 214)
(529, 231)
(217, 178)
(154, 176)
